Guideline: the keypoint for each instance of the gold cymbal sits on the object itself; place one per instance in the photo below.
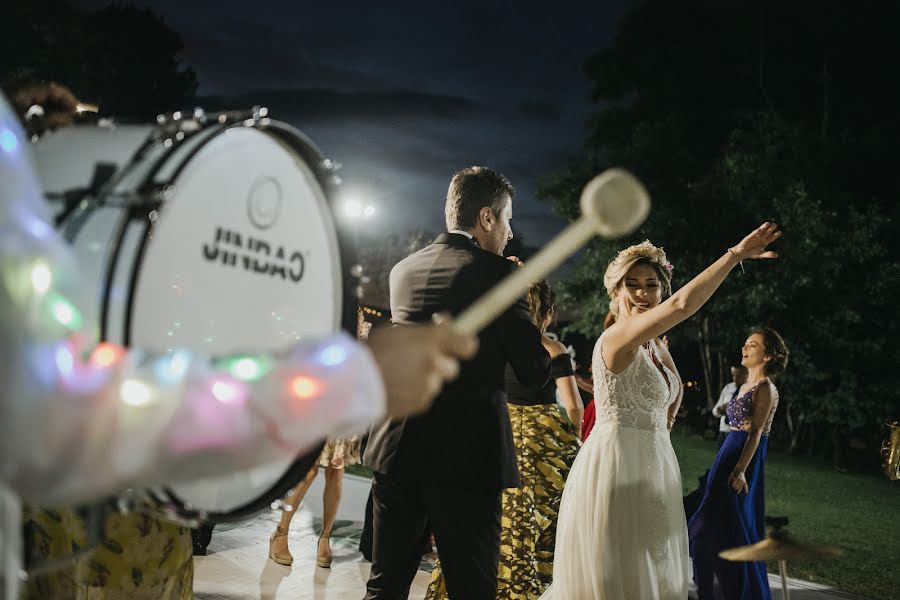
(779, 548)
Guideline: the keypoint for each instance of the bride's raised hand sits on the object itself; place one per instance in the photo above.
(754, 245)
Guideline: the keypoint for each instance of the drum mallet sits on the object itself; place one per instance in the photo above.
(613, 204)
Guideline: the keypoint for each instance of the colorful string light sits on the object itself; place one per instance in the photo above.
(333, 355)
(304, 387)
(106, 354)
(136, 393)
(172, 368)
(247, 368)
(64, 312)
(41, 277)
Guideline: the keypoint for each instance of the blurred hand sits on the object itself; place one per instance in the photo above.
(516, 260)
(738, 482)
(754, 245)
(415, 361)
(576, 416)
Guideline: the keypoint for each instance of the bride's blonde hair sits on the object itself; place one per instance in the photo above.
(643, 253)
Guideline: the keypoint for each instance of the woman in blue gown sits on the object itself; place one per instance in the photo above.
(731, 510)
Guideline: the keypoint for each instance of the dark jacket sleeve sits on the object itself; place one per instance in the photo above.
(521, 343)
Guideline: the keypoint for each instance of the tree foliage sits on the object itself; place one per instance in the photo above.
(737, 112)
(124, 58)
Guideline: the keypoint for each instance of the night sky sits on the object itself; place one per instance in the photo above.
(405, 93)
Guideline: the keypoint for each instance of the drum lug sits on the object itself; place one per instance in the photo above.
(331, 165)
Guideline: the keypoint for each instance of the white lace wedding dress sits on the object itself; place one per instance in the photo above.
(622, 534)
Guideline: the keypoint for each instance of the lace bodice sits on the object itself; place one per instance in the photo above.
(638, 396)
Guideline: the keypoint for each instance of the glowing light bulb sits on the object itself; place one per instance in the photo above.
(41, 277)
(245, 368)
(170, 369)
(8, 141)
(136, 393)
(304, 387)
(64, 312)
(225, 393)
(106, 354)
(333, 355)
(65, 362)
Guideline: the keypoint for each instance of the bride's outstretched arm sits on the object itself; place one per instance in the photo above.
(626, 336)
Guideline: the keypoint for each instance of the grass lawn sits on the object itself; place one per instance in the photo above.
(858, 513)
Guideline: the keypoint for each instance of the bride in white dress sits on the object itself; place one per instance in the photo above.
(622, 533)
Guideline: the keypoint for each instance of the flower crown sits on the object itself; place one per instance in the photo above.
(648, 251)
(644, 250)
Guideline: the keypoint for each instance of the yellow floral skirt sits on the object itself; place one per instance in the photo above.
(546, 445)
(141, 558)
(340, 452)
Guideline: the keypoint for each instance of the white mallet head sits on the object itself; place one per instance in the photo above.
(616, 202)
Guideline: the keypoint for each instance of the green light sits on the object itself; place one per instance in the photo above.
(64, 312)
(247, 368)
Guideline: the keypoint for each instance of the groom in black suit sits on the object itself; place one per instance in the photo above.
(447, 468)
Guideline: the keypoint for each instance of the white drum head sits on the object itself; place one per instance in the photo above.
(243, 255)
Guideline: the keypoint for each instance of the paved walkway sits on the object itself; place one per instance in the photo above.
(237, 567)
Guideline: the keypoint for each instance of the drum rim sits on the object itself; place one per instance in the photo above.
(291, 477)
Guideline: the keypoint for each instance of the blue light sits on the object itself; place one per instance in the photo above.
(333, 355)
(8, 141)
(65, 362)
(171, 368)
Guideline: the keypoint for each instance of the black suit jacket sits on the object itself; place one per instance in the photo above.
(465, 440)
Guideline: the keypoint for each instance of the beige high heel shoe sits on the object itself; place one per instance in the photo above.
(281, 559)
(323, 560)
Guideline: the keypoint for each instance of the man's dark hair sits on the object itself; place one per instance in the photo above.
(472, 189)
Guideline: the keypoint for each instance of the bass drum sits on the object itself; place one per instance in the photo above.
(216, 235)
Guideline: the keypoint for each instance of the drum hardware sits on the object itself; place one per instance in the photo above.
(779, 546)
(72, 198)
(890, 451)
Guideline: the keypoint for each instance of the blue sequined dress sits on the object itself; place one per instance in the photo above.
(724, 519)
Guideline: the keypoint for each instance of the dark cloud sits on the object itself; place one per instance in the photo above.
(542, 111)
(323, 104)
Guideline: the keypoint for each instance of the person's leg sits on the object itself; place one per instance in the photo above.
(278, 542)
(365, 538)
(331, 498)
(201, 537)
(399, 523)
(466, 527)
